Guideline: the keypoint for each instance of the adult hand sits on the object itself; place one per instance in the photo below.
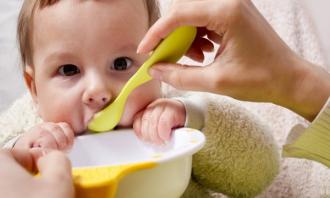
(16, 182)
(252, 63)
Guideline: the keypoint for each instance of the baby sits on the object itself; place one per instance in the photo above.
(78, 54)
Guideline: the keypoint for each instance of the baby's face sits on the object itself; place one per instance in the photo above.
(83, 54)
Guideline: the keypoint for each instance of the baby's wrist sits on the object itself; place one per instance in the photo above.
(194, 111)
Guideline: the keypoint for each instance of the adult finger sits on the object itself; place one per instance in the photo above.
(200, 45)
(180, 15)
(25, 158)
(195, 78)
(56, 168)
(17, 160)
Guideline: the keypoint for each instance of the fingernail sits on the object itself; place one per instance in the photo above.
(139, 49)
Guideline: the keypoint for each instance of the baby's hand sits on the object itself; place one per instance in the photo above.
(58, 136)
(155, 123)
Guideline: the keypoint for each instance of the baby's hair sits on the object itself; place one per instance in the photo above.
(25, 24)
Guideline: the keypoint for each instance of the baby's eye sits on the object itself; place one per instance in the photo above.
(121, 64)
(68, 70)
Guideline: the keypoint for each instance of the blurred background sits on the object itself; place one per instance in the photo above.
(12, 85)
(320, 13)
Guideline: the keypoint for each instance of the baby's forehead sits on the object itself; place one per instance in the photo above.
(91, 23)
(37, 20)
(99, 8)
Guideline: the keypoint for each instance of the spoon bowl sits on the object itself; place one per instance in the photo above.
(171, 49)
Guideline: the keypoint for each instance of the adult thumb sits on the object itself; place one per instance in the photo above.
(55, 167)
(184, 77)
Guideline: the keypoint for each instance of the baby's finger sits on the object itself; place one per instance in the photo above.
(153, 124)
(58, 134)
(68, 132)
(137, 124)
(145, 125)
(46, 140)
(24, 142)
(165, 125)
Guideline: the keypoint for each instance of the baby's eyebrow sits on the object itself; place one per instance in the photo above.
(127, 47)
(57, 55)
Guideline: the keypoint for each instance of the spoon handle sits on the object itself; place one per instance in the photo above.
(170, 50)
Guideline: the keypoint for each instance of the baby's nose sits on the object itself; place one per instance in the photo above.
(97, 98)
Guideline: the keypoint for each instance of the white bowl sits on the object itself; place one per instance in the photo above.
(168, 179)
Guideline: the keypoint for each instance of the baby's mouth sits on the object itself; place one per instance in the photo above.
(85, 121)
(88, 121)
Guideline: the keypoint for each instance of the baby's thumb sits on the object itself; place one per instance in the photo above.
(183, 77)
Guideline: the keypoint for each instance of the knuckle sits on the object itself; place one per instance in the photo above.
(54, 127)
(65, 125)
(218, 81)
(236, 8)
(163, 121)
(146, 116)
(43, 133)
(176, 79)
(174, 15)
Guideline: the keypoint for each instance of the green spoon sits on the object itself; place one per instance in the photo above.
(171, 49)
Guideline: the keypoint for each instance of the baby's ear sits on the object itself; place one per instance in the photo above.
(29, 81)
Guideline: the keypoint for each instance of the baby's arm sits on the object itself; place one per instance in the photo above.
(240, 157)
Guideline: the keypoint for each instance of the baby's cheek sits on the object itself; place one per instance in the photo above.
(63, 113)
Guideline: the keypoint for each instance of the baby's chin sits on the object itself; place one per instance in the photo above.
(80, 128)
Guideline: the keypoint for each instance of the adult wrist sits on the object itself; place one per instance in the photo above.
(311, 89)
